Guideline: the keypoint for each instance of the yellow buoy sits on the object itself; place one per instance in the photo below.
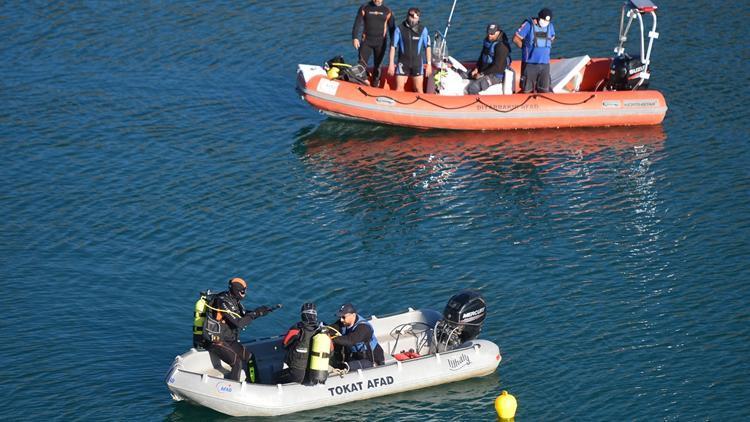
(505, 405)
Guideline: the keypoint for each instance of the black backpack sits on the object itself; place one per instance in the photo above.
(356, 74)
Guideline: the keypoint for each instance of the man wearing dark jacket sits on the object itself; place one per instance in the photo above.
(357, 340)
(232, 317)
(375, 23)
(492, 62)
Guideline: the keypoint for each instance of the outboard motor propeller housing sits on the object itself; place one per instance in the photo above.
(462, 320)
(624, 73)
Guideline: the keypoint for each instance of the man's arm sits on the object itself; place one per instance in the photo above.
(363, 332)
(359, 26)
(523, 30)
(391, 25)
(234, 319)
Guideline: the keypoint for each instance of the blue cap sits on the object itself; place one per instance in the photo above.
(346, 308)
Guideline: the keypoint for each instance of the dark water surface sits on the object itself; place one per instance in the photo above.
(153, 149)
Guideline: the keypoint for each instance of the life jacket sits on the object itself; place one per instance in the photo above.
(408, 43)
(488, 53)
(362, 350)
(298, 351)
(539, 35)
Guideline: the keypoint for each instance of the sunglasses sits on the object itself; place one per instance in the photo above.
(413, 15)
(242, 292)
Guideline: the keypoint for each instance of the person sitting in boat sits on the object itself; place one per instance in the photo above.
(410, 40)
(492, 62)
(297, 342)
(375, 22)
(232, 317)
(535, 38)
(357, 340)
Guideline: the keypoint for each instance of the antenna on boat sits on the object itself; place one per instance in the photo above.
(450, 17)
(439, 44)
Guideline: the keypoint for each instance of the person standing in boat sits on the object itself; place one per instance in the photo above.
(492, 62)
(535, 38)
(410, 40)
(232, 317)
(374, 22)
(298, 342)
(357, 340)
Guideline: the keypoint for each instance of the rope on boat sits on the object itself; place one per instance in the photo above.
(476, 100)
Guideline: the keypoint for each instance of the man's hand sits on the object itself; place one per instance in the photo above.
(263, 310)
(391, 69)
(355, 43)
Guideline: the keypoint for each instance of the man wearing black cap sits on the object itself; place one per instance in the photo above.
(535, 38)
(492, 62)
(357, 339)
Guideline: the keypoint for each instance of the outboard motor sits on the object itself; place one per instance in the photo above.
(624, 74)
(627, 72)
(462, 320)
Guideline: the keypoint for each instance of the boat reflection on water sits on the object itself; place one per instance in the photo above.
(344, 146)
(400, 177)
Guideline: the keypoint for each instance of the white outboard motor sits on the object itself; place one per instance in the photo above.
(462, 320)
(627, 72)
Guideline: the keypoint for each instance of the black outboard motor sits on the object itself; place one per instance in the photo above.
(628, 73)
(462, 320)
(624, 74)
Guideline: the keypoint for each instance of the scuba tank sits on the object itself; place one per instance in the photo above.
(199, 318)
(251, 369)
(319, 354)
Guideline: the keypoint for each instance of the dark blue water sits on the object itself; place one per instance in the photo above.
(151, 150)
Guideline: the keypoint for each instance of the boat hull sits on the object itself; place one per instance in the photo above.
(190, 377)
(341, 99)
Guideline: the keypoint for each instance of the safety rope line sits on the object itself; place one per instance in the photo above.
(236, 315)
(476, 100)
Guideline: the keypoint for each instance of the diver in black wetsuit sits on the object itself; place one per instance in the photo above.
(375, 22)
(232, 317)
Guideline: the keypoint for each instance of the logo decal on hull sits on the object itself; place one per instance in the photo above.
(611, 104)
(459, 363)
(385, 100)
(641, 103)
(360, 385)
(223, 387)
(328, 86)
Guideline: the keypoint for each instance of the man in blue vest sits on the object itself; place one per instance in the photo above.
(357, 339)
(492, 62)
(535, 38)
(410, 40)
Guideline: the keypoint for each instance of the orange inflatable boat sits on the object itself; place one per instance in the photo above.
(585, 106)
(583, 94)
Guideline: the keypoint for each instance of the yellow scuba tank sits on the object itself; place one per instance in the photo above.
(199, 318)
(319, 354)
(251, 369)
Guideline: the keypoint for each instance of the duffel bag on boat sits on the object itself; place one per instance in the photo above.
(357, 74)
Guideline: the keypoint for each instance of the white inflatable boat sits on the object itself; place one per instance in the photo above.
(445, 356)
